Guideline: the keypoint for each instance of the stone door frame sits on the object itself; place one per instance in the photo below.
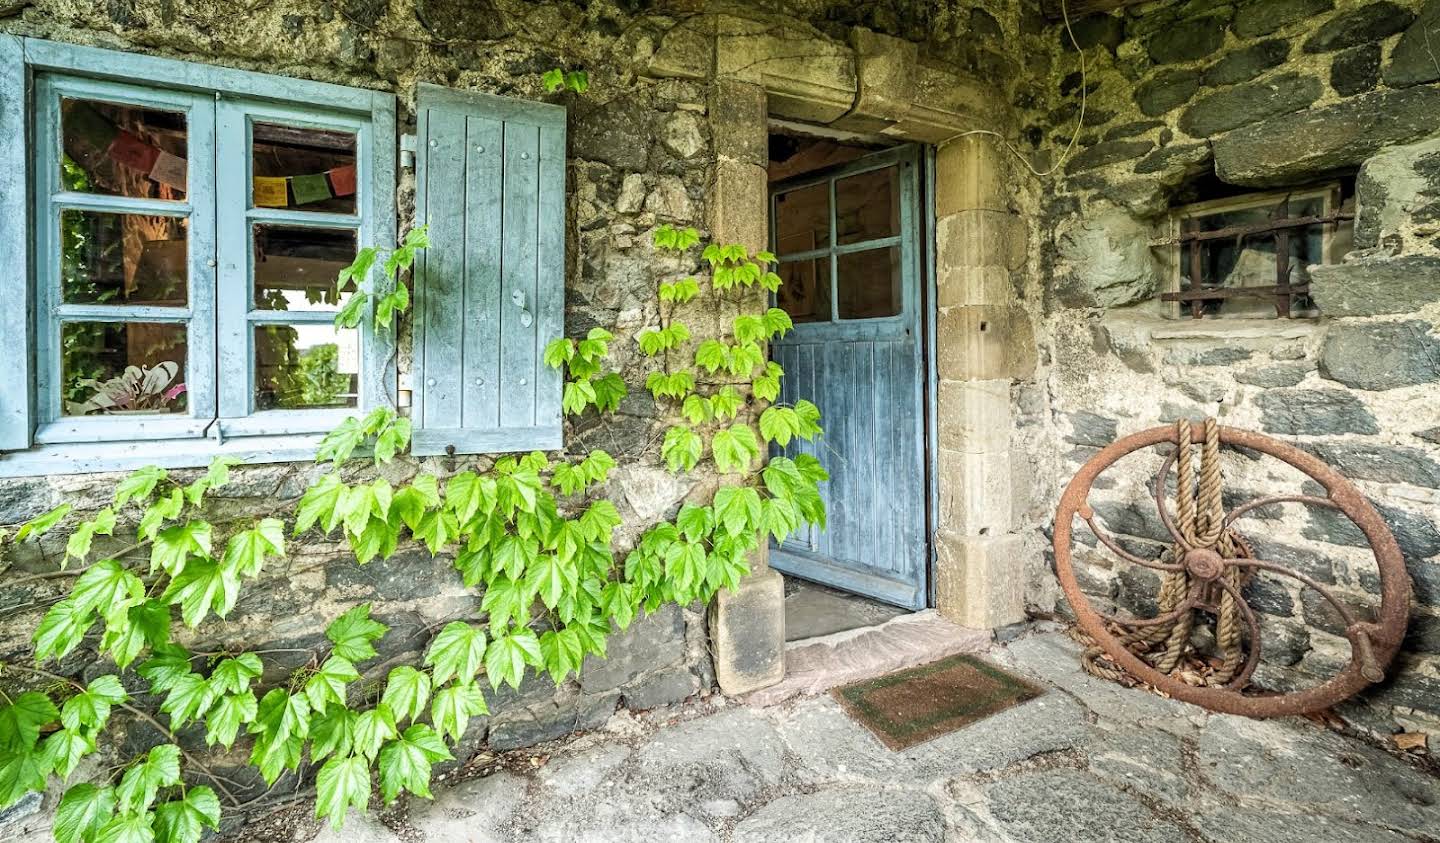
(982, 342)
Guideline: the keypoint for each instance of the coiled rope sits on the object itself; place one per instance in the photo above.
(1200, 518)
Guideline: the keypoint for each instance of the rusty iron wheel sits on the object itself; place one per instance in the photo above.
(1372, 645)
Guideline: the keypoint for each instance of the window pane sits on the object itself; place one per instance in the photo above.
(802, 220)
(118, 368)
(122, 150)
(303, 169)
(296, 268)
(869, 284)
(298, 366)
(128, 259)
(867, 206)
(805, 290)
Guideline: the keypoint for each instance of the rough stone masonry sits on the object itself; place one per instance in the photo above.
(1261, 94)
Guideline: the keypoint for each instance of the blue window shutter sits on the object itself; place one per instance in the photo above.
(16, 419)
(490, 291)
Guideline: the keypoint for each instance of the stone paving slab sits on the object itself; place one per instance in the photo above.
(1086, 761)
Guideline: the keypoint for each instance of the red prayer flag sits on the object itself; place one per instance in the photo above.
(342, 180)
(129, 150)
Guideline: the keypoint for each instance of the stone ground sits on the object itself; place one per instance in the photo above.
(1087, 761)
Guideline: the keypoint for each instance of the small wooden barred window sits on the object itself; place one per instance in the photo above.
(1249, 256)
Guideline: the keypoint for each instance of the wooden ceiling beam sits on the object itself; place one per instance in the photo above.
(1080, 8)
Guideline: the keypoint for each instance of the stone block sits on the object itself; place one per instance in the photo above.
(1167, 91)
(1250, 103)
(970, 174)
(1364, 25)
(980, 580)
(1247, 63)
(1394, 190)
(747, 633)
(1381, 355)
(1376, 287)
(737, 206)
(975, 416)
(1413, 59)
(1313, 412)
(739, 124)
(978, 238)
(1262, 17)
(1293, 147)
(686, 51)
(1106, 153)
(1108, 257)
(885, 66)
(653, 641)
(959, 285)
(1356, 70)
(975, 494)
(1380, 463)
(1093, 429)
(808, 77)
(985, 342)
(1188, 41)
(947, 104)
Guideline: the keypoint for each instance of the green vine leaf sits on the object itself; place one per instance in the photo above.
(43, 523)
(681, 449)
(405, 763)
(82, 811)
(227, 715)
(457, 652)
(203, 587)
(327, 685)
(90, 709)
(407, 691)
(78, 545)
(373, 728)
(175, 546)
(138, 787)
(353, 632)
(734, 448)
(184, 820)
(139, 485)
(341, 784)
(508, 654)
(454, 706)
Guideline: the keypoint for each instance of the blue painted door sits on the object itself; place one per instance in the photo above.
(848, 245)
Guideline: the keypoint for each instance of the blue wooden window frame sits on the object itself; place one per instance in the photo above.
(221, 104)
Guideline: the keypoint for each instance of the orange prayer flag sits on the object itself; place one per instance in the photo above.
(342, 180)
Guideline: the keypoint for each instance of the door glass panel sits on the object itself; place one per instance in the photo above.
(122, 150)
(297, 268)
(303, 169)
(303, 366)
(802, 220)
(869, 284)
(125, 259)
(805, 289)
(867, 206)
(122, 368)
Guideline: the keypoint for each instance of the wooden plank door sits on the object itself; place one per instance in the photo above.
(848, 245)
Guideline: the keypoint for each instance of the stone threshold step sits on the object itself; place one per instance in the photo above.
(815, 665)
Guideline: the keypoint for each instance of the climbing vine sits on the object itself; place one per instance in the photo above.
(531, 534)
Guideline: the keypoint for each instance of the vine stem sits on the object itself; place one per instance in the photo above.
(214, 778)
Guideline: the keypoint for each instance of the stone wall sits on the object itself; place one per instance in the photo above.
(641, 154)
(1260, 95)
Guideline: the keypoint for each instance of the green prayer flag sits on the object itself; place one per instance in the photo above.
(309, 189)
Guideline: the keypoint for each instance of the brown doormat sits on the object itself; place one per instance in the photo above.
(918, 704)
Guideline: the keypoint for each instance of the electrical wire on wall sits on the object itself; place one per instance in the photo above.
(1079, 120)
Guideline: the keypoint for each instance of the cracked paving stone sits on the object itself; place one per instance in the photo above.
(1254, 826)
(850, 813)
(1055, 805)
(1143, 759)
(474, 811)
(734, 754)
(1318, 771)
(1056, 660)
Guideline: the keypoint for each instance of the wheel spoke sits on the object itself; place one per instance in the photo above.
(1312, 500)
(1252, 660)
(1159, 492)
(1346, 616)
(1186, 605)
(1088, 516)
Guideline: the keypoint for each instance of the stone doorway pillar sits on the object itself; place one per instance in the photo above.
(984, 342)
(747, 626)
